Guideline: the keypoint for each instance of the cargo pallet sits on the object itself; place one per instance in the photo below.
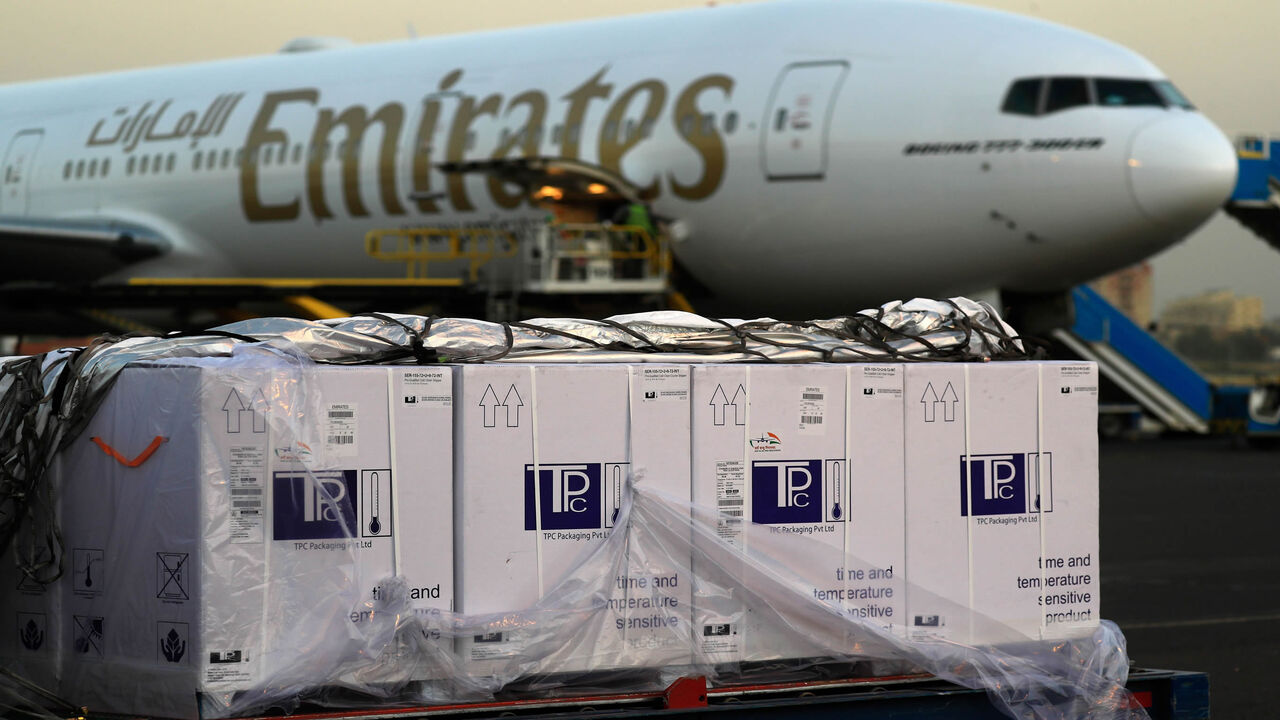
(1164, 694)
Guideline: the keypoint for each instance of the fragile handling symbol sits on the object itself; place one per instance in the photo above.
(172, 644)
(88, 635)
(376, 503)
(28, 583)
(930, 402)
(31, 632)
(234, 405)
(511, 401)
(170, 574)
(720, 403)
(88, 566)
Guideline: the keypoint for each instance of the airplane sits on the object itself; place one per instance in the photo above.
(818, 156)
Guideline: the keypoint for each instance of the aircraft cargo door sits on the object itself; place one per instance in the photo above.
(15, 175)
(796, 124)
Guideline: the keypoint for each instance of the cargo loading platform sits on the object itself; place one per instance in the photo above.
(1163, 694)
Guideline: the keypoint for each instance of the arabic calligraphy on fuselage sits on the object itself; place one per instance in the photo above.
(147, 125)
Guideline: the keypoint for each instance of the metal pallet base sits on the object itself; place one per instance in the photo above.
(1164, 694)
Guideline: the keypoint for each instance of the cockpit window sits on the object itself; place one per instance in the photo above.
(1173, 96)
(1067, 92)
(1113, 92)
(1042, 96)
(1023, 97)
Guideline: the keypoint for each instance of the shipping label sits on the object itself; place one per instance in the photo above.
(664, 384)
(340, 430)
(428, 387)
(246, 484)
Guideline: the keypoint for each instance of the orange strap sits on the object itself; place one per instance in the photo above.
(142, 457)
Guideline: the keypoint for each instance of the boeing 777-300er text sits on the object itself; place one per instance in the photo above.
(821, 155)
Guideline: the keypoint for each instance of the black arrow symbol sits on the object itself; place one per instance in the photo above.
(513, 411)
(719, 402)
(489, 401)
(233, 406)
(930, 400)
(259, 410)
(949, 401)
(740, 406)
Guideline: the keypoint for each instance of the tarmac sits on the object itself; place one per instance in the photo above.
(1190, 546)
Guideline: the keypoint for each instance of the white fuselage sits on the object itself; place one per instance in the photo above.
(823, 154)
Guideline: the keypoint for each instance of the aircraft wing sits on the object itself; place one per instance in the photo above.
(72, 250)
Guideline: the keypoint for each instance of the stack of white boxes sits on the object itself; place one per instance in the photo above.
(929, 500)
(542, 456)
(865, 475)
(229, 553)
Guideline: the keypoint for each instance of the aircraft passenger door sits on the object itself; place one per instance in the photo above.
(15, 176)
(796, 123)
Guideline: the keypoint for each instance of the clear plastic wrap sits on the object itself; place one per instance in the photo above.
(19, 698)
(1081, 677)
(359, 612)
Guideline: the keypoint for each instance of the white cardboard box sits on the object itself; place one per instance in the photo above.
(771, 445)
(216, 562)
(1069, 410)
(542, 455)
(876, 573)
(1020, 457)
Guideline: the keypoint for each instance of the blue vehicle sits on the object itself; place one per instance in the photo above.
(1157, 381)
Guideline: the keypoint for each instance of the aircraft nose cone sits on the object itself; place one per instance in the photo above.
(1181, 169)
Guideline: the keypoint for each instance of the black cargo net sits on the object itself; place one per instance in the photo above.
(47, 399)
(34, 415)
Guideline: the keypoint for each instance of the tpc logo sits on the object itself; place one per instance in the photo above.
(1007, 484)
(570, 496)
(786, 491)
(311, 506)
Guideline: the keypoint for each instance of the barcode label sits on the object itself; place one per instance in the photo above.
(340, 429)
(730, 489)
(813, 408)
(246, 466)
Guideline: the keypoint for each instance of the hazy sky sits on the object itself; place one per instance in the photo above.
(1219, 53)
